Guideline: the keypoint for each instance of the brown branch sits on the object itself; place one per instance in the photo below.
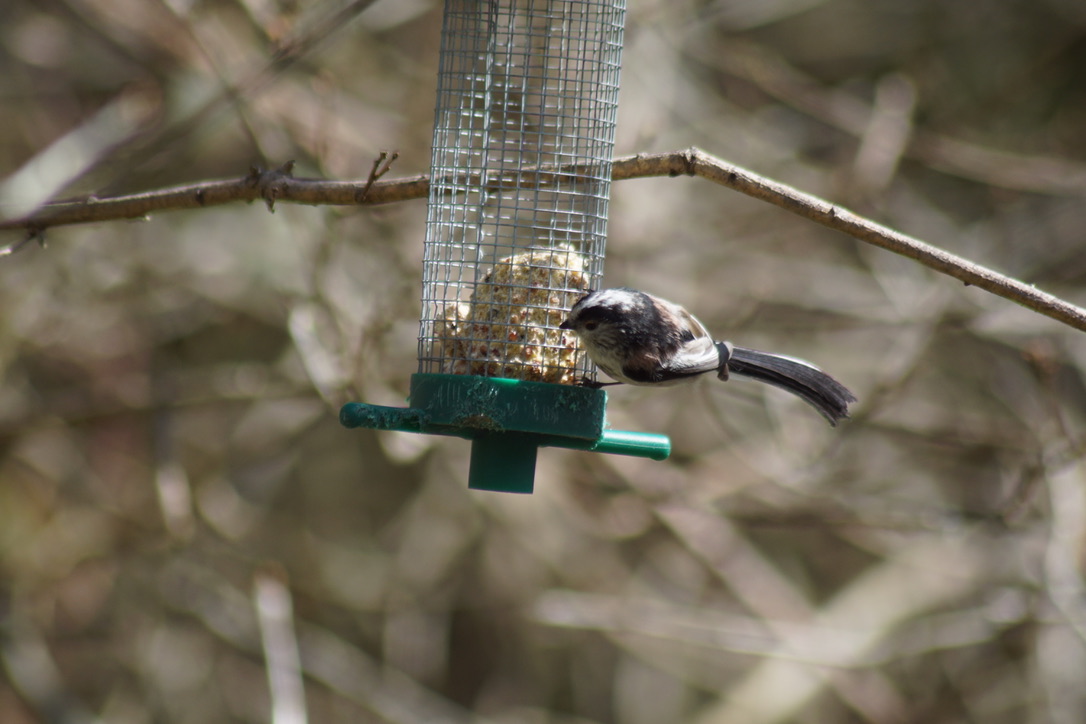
(381, 165)
(271, 186)
(279, 185)
(694, 162)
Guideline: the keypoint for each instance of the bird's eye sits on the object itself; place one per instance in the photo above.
(590, 326)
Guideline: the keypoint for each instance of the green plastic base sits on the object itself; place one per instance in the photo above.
(507, 421)
(504, 462)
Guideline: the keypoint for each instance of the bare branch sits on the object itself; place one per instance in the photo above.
(694, 162)
(279, 186)
(381, 165)
(32, 234)
(274, 186)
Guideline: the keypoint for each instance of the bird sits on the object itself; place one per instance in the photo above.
(640, 339)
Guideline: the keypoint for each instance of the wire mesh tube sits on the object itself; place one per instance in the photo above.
(517, 221)
(521, 168)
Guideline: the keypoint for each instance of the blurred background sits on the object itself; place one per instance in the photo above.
(181, 514)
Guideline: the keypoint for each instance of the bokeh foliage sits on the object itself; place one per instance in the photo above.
(168, 389)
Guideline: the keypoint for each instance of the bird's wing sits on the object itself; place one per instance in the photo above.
(698, 355)
(692, 322)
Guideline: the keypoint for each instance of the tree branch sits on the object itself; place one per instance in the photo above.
(271, 186)
(699, 163)
(280, 185)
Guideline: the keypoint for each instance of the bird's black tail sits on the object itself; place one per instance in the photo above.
(804, 380)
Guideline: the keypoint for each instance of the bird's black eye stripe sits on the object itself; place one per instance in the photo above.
(591, 325)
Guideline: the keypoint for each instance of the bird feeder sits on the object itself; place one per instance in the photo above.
(516, 226)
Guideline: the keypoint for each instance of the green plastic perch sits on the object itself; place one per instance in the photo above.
(507, 422)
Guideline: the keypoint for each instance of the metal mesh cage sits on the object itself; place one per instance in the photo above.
(517, 221)
(521, 170)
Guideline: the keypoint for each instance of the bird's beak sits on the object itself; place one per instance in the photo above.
(565, 325)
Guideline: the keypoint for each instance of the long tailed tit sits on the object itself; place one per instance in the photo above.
(640, 339)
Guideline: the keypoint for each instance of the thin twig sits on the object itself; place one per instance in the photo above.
(699, 163)
(33, 233)
(378, 171)
(279, 186)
